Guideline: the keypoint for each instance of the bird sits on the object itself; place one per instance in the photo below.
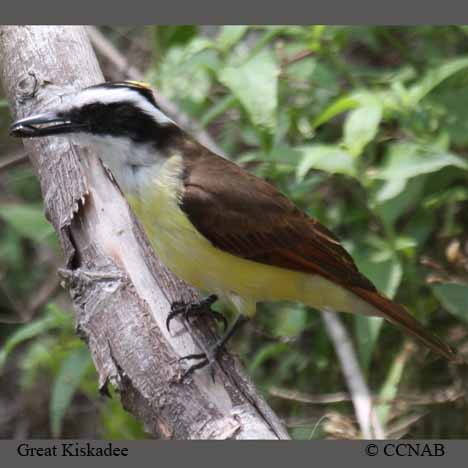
(220, 228)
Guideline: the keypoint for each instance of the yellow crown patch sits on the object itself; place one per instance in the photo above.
(139, 84)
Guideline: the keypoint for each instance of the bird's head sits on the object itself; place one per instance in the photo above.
(120, 121)
(124, 110)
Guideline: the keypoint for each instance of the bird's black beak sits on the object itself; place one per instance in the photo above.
(49, 123)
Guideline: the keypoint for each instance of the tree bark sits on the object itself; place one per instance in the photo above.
(120, 290)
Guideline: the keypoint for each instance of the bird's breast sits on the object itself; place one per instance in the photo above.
(189, 255)
(182, 248)
(170, 232)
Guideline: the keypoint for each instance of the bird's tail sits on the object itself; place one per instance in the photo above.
(397, 314)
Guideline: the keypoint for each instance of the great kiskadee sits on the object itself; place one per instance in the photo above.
(213, 224)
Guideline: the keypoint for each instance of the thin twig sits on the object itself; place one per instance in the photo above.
(112, 54)
(401, 427)
(297, 58)
(287, 61)
(13, 161)
(360, 394)
(435, 397)
(300, 397)
(44, 293)
(275, 338)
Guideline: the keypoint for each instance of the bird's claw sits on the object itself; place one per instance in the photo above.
(212, 355)
(205, 360)
(196, 310)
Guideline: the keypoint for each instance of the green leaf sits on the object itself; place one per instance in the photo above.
(339, 106)
(367, 332)
(389, 389)
(37, 357)
(172, 35)
(291, 320)
(386, 274)
(28, 220)
(66, 383)
(118, 424)
(229, 36)
(454, 297)
(285, 155)
(53, 319)
(420, 226)
(184, 73)
(404, 196)
(255, 84)
(389, 190)
(434, 77)
(454, 102)
(405, 161)
(361, 127)
(325, 158)
(268, 351)
(218, 109)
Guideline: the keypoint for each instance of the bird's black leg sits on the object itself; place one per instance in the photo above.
(213, 354)
(196, 310)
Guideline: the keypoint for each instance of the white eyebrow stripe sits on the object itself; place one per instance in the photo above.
(110, 96)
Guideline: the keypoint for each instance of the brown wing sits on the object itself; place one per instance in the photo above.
(246, 216)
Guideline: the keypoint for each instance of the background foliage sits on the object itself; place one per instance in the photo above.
(364, 128)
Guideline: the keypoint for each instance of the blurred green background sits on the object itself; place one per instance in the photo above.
(366, 129)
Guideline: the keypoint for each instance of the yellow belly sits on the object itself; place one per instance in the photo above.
(240, 282)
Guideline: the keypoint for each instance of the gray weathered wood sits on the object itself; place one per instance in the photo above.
(120, 290)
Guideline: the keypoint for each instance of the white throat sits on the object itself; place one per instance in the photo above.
(133, 165)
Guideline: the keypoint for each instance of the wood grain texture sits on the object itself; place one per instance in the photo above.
(120, 290)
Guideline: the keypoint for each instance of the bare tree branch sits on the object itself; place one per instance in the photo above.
(360, 394)
(120, 290)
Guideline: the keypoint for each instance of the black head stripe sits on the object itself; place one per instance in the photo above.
(124, 119)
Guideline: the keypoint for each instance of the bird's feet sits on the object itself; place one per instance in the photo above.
(196, 309)
(211, 357)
